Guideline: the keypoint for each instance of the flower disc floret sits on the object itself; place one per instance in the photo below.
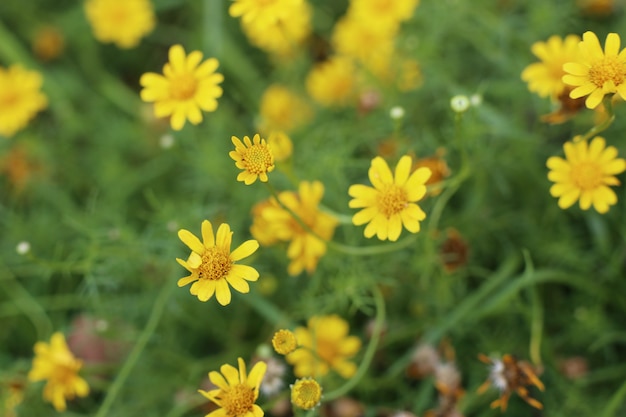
(254, 157)
(306, 393)
(236, 391)
(597, 72)
(586, 174)
(390, 204)
(213, 266)
(186, 87)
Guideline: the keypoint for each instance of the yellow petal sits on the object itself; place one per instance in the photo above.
(222, 292)
(191, 241)
(403, 169)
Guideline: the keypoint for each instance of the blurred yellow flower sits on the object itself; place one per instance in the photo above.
(11, 396)
(284, 35)
(20, 98)
(586, 174)
(282, 109)
(438, 167)
(332, 82)
(390, 12)
(185, 88)
(324, 345)
(306, 393)
(55, 364)
(391, 202)
(212, 264)
(281, 145)
(263, 13)
(48, 43)
(253, 157)
(284, 342)
(596, 72)
(272, 223)
(409, 75)
(237, 391)
(122, 22)
(546, 77)
(368, 42)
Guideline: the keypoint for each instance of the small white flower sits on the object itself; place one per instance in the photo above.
(166, 141)
(497, 375)
(459, 103)
(476, 100)
(396, 113)
(22, 248)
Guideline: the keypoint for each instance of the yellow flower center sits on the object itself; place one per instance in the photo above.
(238, 400)
(258, 159)
(306, 393)
(284, 342)
(587, 175)
(609, 69)
(183, 87)
(392, 200)
(215, 264)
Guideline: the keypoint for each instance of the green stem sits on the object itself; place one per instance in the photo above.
(536, 327)
(615, 402)
(608, 105)
(379, 322)
(133, 357)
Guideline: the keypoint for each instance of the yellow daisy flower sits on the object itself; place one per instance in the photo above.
(122, 22)
(306, 393)
(546, 77)
(596, 72)
(391, 12)
(586, 174)
(281, 145)
(263, 13)
(273, 223)
(186, 87)
(55, 363)
(282, 109)
(284, 342)
(20, 98)
(253, 157)
(284, 35)
(236, 391)
(324, 345)
(212, 264)
(390, 204)
(332, 82)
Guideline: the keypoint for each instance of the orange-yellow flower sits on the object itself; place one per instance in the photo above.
(254, 157)
(122, 22)
(20, 98)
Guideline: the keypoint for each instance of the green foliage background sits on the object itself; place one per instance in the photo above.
(102, 217)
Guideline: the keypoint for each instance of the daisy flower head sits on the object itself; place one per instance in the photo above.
(281, 145)
(122, 22)
(262, 13)
(186, 87)
(283, 36)
(597, 72)
(213, 266)
(284, 342)
(391, 202)
(237, 391)
(20, 98)
(275, 224)
(306, 393)
(546, 77)
(282, 109)
(586, 174)
(254, 157)
(324, 345)
(56, 364)
(332, 82)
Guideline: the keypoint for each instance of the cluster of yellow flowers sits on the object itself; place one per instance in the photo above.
(573, 70)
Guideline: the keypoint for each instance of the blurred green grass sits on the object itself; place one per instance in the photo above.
(102, 216)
